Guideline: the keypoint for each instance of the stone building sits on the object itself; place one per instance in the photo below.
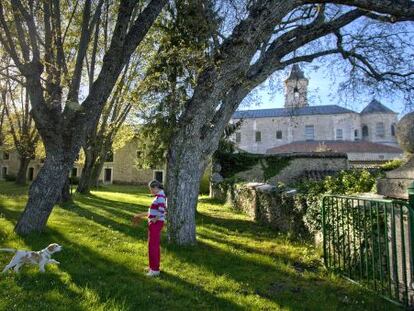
(120, 167)
(367, 136)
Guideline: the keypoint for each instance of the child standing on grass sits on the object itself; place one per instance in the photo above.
(156, 218)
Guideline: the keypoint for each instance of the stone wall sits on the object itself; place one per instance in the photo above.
(269, 205)
(298, 164)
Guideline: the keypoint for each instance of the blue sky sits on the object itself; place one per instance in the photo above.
(322, 91)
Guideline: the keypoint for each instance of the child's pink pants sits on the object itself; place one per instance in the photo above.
(154, 236)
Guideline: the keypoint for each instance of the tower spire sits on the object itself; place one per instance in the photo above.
(296, 88)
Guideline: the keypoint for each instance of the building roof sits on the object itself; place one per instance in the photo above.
(335, 146)
(296, 73)
(290, 112)
(376, 107)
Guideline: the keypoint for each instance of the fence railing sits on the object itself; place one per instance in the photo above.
(370, 241)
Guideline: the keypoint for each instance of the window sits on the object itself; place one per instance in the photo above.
(6, 156)
(108, 175)
(365, 132)
(258, 136)
(109, 156)
(4, 171)
(279, 135)
(238, 137)
(339, 134)
(309, 132)
(74, 172)
(380, 129)
(381, 157)
(393, 130)
(159, 175)
(356, 134)
(30, 173)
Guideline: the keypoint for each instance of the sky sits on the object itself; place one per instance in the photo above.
(321, 90)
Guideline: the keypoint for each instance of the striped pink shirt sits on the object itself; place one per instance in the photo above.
(158, 206)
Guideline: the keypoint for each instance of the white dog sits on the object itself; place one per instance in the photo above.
(40, 258)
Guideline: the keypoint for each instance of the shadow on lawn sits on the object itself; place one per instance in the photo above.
(125, 287)
(110, 280)
(123, 211)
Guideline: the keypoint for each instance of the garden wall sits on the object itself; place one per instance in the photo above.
(269, 205)
(294, 166)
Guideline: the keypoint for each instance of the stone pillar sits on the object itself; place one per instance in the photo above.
(217, 191)
(396, 185)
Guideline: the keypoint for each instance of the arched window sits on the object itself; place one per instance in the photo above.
(392, 129)
(365, 132)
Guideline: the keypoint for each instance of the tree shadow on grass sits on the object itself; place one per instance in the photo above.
(113, 281)
(122, 211)
(275, 283)
(242, 227)
(40, 291)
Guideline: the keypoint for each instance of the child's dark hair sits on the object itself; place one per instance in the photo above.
(155, 184)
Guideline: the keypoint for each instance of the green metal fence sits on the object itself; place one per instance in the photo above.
(370, 241)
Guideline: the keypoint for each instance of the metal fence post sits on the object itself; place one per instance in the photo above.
(411, 251)
(323, 212)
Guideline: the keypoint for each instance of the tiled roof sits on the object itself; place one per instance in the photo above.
(336, 146)
(289, 112)
(376, 107)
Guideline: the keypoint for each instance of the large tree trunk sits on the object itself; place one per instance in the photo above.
(65, 195)
(22, 172)
(185, 167)
(91, 170)
(45, 191)
(86, 176)
(96, 172)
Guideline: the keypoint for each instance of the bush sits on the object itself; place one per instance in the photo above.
(391, 165)
(310, 193)
(205, 183)
(10, 177)
(74, 180)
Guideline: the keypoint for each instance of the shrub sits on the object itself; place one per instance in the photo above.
(391, 165)
(205, 183)
(10, 177)
(74, 180)
(310, 193)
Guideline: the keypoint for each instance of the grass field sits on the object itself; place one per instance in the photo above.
(237, 265)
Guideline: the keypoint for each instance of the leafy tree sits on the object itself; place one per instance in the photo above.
(181, 39)
(42, 39)
(21, 126)
(260, 38)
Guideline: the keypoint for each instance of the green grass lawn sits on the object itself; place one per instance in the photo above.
(237, 265)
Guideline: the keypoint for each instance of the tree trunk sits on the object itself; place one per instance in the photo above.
(84, 186)
(22, 172)
(45, 191)
(96, 172)
(184, 171)
(65, 195)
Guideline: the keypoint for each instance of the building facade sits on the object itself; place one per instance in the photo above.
(264, 130)
(120, 168)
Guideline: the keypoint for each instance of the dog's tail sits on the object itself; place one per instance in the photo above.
(9, 250)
